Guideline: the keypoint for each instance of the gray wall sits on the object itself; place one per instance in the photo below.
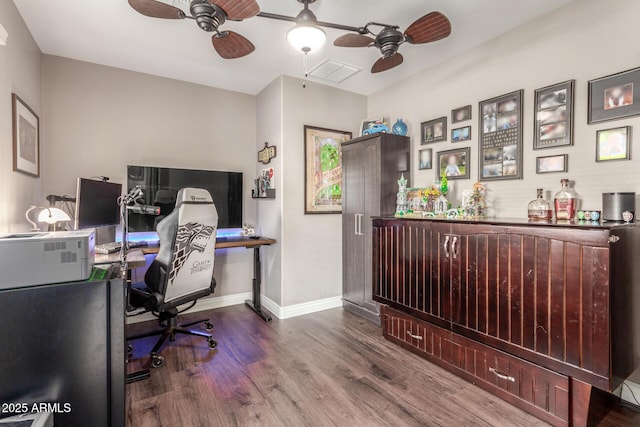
(312, 249)
(20, 74)
(583, 40)
(99, 119)
(306, 265)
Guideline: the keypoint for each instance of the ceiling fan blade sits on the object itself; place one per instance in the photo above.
(237, 10)
(353, 40)
(230, 45)
(430, 28)
(384, 64)
(155, 9)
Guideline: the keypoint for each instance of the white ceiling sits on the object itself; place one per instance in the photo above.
(109, 32)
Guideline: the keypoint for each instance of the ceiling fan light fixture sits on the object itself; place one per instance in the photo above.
(306, 36)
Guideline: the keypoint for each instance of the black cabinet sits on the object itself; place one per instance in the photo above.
(63, 345)
(371, 166)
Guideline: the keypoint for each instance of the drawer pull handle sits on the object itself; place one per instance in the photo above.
(502, 376)
(418, 337)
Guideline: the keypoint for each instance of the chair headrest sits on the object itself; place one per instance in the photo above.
(193, 196)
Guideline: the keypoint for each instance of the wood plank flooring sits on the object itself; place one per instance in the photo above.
(324, 369)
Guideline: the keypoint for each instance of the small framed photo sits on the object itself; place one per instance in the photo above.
(461, 114)
(26, 138)
(454, 164)
(425, 159)
(614, 97)
(366, 124)
(461, 134)
(552, 164)
(433, 131)
(553, 108)
(613, 144)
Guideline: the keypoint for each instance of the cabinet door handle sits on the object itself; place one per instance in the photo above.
(446, 246)
(454, 251)
(355, 222)
(502, 376)
(360, 225)
(418, 337)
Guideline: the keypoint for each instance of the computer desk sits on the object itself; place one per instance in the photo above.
(135, 259)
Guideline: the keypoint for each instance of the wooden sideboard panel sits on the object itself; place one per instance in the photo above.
(535, 389)
(541, 294)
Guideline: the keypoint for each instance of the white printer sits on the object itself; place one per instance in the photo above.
(28, 259)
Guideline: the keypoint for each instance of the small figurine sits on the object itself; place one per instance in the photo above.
(401, 200)
(473, 202)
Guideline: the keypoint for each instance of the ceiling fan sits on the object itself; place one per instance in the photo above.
(431, 27)
(209, 15)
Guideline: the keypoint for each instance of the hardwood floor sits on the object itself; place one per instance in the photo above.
(324, 369)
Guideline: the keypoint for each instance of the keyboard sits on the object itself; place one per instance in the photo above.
(113, 247)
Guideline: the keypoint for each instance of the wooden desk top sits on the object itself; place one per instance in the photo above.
(135, 258)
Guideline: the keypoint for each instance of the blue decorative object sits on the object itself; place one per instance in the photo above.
(400, 128)
(375, 128)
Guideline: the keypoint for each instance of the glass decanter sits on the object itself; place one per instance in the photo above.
(539, 209)
(565, 202)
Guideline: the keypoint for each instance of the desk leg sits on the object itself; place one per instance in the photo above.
(254, 304)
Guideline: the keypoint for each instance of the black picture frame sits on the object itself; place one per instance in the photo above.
(461, 134)
(614, 97)
(433, 131)
(553, 118)
(462, 163)
(552, 164)
(461, 114)
(425, 159)
(500, 137)
(613, 144)
(26, 138)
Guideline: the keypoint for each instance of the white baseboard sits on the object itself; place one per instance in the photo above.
(631, 393)
(301, 309)
(202, 305)
(235, 299)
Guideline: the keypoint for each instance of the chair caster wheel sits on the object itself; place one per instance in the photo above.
(213, 344)
(208, 325)
(157, 361)
(129, 349)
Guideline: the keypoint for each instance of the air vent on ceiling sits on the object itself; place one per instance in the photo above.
(333, 71)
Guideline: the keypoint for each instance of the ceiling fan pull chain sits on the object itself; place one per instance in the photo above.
(305, 66)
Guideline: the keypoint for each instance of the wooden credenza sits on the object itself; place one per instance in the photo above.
(534, 313)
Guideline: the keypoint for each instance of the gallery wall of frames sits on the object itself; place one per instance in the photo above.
(553, 99)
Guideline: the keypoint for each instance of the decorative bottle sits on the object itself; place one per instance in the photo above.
(565, 202)
(539, 209)
(400, 128)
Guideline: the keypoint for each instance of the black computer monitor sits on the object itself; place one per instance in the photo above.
(97, 203)
(160, 187)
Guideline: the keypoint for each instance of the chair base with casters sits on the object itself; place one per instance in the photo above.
(169, 330)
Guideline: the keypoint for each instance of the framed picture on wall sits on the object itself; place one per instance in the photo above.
(614, 97)
(613, 144)
(461, 114)
(500, 137)
(552, 164)
(461, 134)
(454, 164)
(26, 138)
(553, 108)
(433, 131)
(425, 158)
(323, 170)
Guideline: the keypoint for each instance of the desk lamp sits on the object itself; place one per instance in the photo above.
(48, 215)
